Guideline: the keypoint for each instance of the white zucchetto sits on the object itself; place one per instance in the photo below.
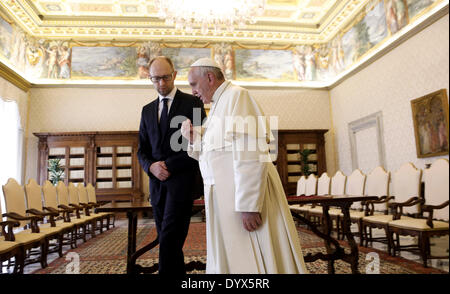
(205, 62)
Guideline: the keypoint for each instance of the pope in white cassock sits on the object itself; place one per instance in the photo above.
(249, 225)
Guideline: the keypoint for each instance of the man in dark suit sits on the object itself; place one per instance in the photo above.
(175, 179)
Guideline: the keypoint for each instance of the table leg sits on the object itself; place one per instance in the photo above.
(132, 228)
(353, 257)
(327, 226)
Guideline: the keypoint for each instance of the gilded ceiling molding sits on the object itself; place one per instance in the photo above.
(14, 78)
(127, 28)
(184, 45)
(264, 46)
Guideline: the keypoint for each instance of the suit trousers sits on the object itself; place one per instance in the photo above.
(172, 218)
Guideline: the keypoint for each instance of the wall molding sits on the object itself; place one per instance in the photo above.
(14, 78)
(374, 120)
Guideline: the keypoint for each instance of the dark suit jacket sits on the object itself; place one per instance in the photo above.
(185, 181)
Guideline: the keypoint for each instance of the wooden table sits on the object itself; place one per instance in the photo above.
(344, 202)
(132, 210)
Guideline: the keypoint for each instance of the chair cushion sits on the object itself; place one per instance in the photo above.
(335, 212)
(49, 230)
(317, 209)
(61, 223)
(380, 219)
(300, 208)
(6, 246)
(356, 214)
(26, 237)
(418, 224)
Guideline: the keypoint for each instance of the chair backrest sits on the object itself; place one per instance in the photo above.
(63, 193)
(82, 193)
(33, 194)
(355, 183)
(323, 185)
(91, 193)
(355, 186)
(301, 186)
(437, 187)
(15, 198)
(377, 184)
(338, 183)
(311, 185)
(50, 198)
(406, 184)
(73, 194)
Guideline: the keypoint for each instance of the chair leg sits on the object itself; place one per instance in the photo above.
(60, 246)
(364, 235)
(390, 241)
(361, 237)
(93, 226)
(338, 227)
(423, 250)
(84, 232)
(44, 251)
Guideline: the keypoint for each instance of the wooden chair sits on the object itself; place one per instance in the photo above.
(377, 184)
(8, 247)
(92, 197)
(436, 200)
(323, 185)
(301, 186)
(84, 202)
(338, 182)
(64, 203)
(354, 187)
(405, 189)
(82, 211)
(30, 237)
(310, 190)
(33, 194)
(301, 189)
(51, 204)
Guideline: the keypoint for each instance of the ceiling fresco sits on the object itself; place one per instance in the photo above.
(80, 41)
(283, 21)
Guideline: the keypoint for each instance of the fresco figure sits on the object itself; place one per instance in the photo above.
(52, 62)
(142, 62)
(310, 64)
(224, 58)
(64, 62)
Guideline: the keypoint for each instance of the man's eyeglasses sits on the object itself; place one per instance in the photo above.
(165, 78)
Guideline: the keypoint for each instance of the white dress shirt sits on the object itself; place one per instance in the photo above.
(170, 98)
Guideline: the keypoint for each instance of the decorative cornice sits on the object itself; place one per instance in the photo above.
(14, 78)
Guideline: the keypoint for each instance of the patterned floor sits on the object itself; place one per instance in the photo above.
(106, 254)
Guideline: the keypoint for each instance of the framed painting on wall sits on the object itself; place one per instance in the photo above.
(430, 117)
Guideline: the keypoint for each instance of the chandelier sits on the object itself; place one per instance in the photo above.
(216, 14)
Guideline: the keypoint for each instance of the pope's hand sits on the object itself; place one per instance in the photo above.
(251, 220)
(187, 130)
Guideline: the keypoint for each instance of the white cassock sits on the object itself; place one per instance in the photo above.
(241, 178)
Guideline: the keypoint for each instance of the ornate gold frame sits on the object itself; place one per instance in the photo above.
(432, 123)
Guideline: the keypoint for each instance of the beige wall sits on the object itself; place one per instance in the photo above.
(415, 68)
(63, 109)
